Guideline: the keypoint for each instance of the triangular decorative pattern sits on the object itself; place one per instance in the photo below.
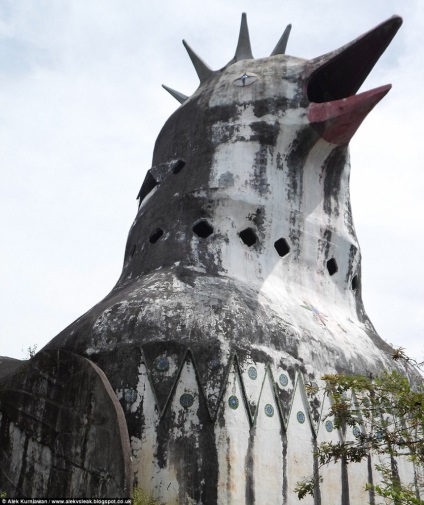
(358, 473)
(212, 367)
(253, 376)
(284, 386)
(331, 473)
(268, 452)
(300, 441)
(232, 424)
(163, 362)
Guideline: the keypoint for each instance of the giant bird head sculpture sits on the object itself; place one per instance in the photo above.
(264, 145)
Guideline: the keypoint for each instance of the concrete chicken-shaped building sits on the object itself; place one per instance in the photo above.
(241, 283)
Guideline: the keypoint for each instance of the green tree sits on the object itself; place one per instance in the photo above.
(387, 416)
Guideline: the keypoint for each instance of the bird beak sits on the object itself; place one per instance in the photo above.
(334, 78)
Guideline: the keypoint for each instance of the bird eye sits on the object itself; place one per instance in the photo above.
(246, 79)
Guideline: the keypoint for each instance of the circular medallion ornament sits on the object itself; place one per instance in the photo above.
(252, 373)
(356, 431)
(214, 364)
(186, 400)
(329, 426)
(284, 380)
(233, 402)
(300, 416)
(162, 364)
(130, 395)
(269, 410)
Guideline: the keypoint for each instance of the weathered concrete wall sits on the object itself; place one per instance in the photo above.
(241, 282)
(8, 365)
(62, 431)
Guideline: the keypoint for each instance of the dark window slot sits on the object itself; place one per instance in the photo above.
(248, 236)
(203, 229)
(179, 165)
(156, 235)
(282, 247)
(332, 266)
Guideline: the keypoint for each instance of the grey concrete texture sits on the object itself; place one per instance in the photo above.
(62, 431)
(8, 365)
(243, 255)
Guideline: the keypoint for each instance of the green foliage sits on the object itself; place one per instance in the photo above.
(392, 491)
(3, 494)
(307, 486)
(387, 413)
(140, 497)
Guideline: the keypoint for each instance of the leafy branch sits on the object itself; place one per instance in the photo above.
(386, 414)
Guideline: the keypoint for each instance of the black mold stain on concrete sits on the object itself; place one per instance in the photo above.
(258, 179)
(371, 494)
(295, 161)
(225, 134)
(207, 446)
(265, 133)
(226, 180)
(284, 397)
(123, 378)
(317, 489)
(197, 475)
(249, 465)
(295, 234)
(258, 218)
(163, 431)
(345, 482)
(62, 404)
(299, 150)
(324, 246)
(285, 465)
(274, 106)
(315, 408)
(279, 162)
(353, 251)
(333, 170)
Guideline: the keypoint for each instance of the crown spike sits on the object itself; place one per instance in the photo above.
(176, 94)
(202, 69)
(280, 48)
(244, 50)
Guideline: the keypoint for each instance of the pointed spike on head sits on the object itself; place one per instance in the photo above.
(176, 94)
(281, 46)
(244, 50)
(202, 69)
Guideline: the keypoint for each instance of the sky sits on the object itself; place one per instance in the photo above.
(81, 105)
